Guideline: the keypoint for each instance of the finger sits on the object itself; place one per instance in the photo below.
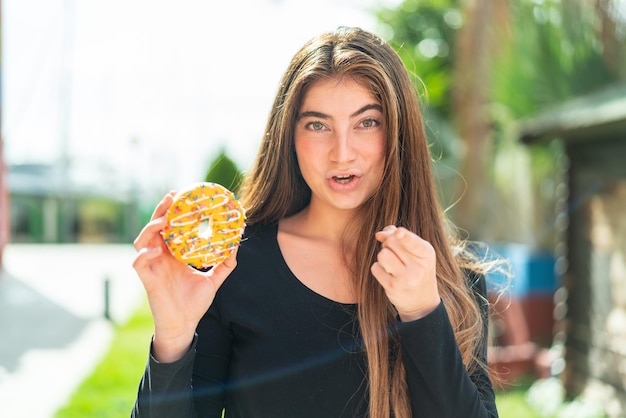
(385, 233)
(220, 272)
(389, 261)
(407, 245)
(231, 262)
(145, 256)
(163, 205)
(388, 257)
(149, 231)
(383, 277)
(412, 243)
(418, 247)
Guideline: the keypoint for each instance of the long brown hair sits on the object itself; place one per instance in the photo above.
(274, 188)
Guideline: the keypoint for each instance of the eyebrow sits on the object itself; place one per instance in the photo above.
(314, 114)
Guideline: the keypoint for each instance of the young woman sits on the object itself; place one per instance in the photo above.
(347, 297)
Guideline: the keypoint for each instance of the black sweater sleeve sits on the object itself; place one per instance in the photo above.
(438, 381)
(165, 389)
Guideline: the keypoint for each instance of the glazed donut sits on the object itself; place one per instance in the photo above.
(204, 225)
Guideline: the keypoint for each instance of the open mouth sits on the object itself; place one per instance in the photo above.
(343, 179)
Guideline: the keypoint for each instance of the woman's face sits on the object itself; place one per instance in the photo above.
(340, 143)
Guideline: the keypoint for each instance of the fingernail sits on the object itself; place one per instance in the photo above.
(389, 228)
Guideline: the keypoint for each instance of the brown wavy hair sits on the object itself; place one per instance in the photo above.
(274, 188)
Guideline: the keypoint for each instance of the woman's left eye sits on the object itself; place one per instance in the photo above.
(370, 123)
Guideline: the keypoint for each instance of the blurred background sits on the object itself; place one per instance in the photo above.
(106, 106)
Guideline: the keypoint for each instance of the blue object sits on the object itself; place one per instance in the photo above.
(531, 272)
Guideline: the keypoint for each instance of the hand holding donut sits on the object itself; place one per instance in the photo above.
(178, 295)
(405, 268)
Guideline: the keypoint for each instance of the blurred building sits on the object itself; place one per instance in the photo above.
(47, 207)
(590, 307)
(4, 204)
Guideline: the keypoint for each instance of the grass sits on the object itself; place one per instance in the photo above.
(512, 403)
(110, 391)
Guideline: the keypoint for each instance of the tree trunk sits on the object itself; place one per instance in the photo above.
(484, 23)
(613, 47)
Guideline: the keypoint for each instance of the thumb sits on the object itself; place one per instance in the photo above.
(220, 272)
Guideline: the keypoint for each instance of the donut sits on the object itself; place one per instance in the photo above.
(204, 225)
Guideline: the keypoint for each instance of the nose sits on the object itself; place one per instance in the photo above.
(343, 149)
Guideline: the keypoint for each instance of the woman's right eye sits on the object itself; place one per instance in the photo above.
(315, 126)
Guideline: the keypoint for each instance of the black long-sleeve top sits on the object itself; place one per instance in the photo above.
(270, 347)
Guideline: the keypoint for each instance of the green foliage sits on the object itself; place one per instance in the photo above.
(553, 57)
(224, 171)
(549, 51)
(555, 54)
(424, 35)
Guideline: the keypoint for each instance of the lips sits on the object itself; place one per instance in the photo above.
(345, 179)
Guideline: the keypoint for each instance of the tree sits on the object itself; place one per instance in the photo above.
(483, 33)
(224, 171)
(487, 64)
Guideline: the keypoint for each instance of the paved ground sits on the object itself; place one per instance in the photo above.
(52, 319)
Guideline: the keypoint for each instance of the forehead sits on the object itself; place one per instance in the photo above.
(337, 90)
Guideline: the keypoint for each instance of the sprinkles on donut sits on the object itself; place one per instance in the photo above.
(205, 224)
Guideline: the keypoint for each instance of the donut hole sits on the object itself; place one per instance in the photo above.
(205, 230)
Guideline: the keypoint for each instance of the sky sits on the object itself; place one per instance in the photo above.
(146, 92)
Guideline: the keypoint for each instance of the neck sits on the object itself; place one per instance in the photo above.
(330, 225)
